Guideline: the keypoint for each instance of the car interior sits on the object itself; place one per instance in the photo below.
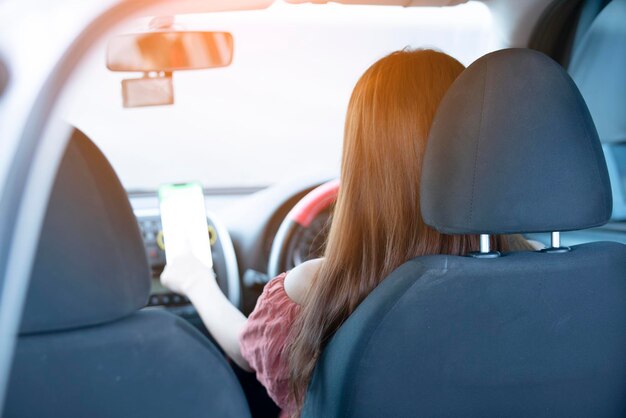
(536, 124)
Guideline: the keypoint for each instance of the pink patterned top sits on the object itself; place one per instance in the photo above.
(264, 339)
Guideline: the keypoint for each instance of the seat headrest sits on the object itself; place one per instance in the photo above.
(598, 67)
(513, 149)
(90, 266)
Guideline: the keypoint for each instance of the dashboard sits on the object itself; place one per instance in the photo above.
(242, 233)
(242, 227)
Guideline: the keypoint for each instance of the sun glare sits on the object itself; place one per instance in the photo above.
(279, 108)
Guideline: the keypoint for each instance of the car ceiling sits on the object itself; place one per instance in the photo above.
(404, 3)
(514, 19)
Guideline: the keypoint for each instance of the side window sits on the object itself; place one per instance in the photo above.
(615, 155)
(598, 66)
(619, 153)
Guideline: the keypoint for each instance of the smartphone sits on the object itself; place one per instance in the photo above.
(184, 222)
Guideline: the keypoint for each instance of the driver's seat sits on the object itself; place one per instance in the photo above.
(85, 348)
(512, 149)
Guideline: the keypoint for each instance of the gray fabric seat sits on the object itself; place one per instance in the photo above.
(85, 348)
(512, 149)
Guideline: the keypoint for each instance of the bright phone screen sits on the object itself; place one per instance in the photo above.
(183, 218)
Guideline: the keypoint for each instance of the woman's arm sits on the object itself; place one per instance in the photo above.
(298, 281)
(224, 321)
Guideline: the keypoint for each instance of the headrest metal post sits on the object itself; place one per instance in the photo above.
(485, 244)
(485, 248)
(556, 239)
(555, 244)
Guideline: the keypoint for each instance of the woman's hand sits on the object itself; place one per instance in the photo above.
(186, 273)
(190, 277)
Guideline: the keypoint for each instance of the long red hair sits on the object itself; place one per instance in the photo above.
(376, 225)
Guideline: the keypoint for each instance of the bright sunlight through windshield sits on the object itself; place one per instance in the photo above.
(278, 111)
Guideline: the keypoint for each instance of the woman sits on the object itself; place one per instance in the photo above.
(376, 227)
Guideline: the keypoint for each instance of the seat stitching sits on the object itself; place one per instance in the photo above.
(476, 151)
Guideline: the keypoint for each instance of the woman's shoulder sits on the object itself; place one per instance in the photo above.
(298, 281)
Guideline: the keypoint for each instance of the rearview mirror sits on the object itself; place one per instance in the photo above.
(169, 51)
(158, 54)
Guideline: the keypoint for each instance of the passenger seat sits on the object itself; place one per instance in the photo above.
(86, 347)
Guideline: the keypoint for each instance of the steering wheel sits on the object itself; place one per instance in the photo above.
(306, 222)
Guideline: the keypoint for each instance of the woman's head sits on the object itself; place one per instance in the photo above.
(387, 124)
(376, 224)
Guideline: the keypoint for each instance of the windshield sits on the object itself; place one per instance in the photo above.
(278, 111)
